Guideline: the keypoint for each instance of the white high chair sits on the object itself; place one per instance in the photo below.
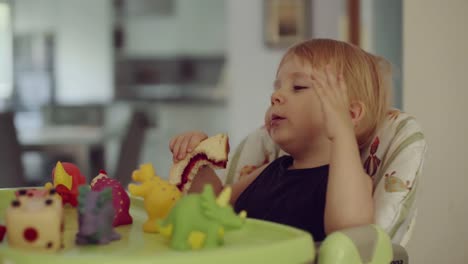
(394, 160)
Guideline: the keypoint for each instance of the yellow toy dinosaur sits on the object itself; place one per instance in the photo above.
(159, 195)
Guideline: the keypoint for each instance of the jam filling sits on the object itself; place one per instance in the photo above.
(191, 164)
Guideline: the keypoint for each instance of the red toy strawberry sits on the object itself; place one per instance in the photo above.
(120, 198)
(2, 232)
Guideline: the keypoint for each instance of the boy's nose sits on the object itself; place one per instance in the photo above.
(277, 98)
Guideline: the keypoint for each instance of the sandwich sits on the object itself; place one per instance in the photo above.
(212, 152)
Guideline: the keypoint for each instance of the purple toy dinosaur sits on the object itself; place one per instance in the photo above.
(95, 216)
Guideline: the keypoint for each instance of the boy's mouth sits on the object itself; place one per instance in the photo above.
(276, 119)
(275, 116)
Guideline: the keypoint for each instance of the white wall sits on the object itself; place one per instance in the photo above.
(83, 39)
(84, 54)
(195, 28)
(252, 66)
(328, 18)
(435, 90)
(35, 16)
(251, 69)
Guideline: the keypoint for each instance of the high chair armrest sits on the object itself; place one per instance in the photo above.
(359, 245)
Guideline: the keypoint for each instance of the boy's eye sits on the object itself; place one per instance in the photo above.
(299, 87)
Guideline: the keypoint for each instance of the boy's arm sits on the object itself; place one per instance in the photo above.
(242, 184)
(349, 200)
(349, 194)
(206, 175)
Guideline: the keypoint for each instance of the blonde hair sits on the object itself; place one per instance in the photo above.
(368, 77)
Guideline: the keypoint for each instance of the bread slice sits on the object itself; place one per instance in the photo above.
(212, 151)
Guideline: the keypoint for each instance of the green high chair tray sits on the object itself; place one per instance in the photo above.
(257, 242)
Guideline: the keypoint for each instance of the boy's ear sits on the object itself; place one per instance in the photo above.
(357, 112)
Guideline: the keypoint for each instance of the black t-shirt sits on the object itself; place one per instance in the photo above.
(293, 197)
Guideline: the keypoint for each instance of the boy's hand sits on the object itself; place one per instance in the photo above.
(184, 143)
(333, 94)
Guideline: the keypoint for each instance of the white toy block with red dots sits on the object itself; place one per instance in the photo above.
(35, 222)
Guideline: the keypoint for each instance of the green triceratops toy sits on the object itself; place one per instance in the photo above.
(199, 220)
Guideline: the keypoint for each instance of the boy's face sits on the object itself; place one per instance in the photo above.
(295, 117)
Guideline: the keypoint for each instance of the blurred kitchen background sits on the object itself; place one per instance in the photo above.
(77, 73)
(83, 69)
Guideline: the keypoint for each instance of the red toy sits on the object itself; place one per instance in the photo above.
(2, 232)
(120, 199)
(66, 178)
